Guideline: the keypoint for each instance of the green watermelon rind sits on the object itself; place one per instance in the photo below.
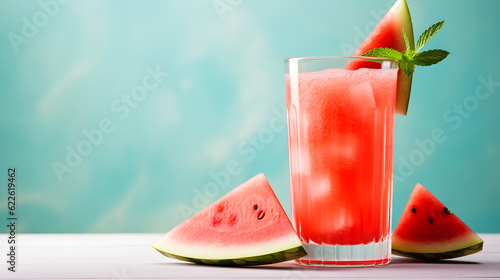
(275, 257)
(441, 255)
(404, 83)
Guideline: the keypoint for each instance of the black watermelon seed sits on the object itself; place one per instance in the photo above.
(413, 210)
(255, 207)
(431, 221)
(446, 211)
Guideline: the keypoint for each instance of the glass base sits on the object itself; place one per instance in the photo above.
(347, 255)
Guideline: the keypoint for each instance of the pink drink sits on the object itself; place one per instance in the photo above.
(341, 127)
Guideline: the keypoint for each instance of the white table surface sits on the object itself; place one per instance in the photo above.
(130, 256)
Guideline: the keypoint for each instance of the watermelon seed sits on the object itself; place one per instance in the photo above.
(255, 207)
(232, 220)
(216, 221)
(413, 210)
(261, 214)
(446, 211)
(430, 220)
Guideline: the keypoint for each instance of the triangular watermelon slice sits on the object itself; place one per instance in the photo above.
(247, 226)
(389, 34)
(428, 230)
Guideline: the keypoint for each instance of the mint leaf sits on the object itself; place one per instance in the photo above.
(406, 65)
(384, 52)
(427, 35)
(430, 57)
(410, 58)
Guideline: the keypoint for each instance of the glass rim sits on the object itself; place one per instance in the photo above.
(339, 58)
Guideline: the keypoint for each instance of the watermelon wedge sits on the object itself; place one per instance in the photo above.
(247, 226)
(428, 230)
(389, 34)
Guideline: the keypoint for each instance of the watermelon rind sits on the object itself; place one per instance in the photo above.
(285, 248)
(441, 255)
(453, 244)
(280, 256)
(404, 83)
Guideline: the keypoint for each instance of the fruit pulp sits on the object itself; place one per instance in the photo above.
(340, 137)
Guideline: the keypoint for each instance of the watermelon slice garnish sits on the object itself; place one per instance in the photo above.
(388, 34)
(247, 226)
(428, 230)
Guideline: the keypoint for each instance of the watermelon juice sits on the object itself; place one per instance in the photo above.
(341, 131)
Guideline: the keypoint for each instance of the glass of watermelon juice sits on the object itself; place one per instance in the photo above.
(340, 135)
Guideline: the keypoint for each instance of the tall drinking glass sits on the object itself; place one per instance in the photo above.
(340, 113)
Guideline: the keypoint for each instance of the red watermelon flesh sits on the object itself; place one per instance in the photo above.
(427, 229)
(247, 226)
(389, 34)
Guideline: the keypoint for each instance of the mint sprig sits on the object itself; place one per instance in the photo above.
(410, 58)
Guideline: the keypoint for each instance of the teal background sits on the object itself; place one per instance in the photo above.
(224, 87)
